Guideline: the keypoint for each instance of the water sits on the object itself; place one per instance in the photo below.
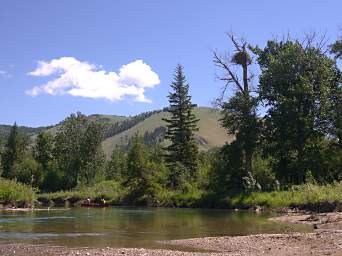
(131, 227)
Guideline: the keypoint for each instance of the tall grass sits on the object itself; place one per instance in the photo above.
(297, 195)
(15, 193)
(308, 194)
(110, 190)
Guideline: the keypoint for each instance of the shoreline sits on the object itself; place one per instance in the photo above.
(325, 240)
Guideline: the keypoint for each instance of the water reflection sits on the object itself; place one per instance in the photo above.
(131, 227)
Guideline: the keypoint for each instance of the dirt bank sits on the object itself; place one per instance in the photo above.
(321, 221)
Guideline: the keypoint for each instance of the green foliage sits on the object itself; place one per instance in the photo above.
(117, 165)
(240, 118)
(297, 141)
(92, 156)
(29, 172)
(240, 110)
(297, 195)
(118, 127)
(227, 170)
(53, 179)
(336, 48)
(181, 125)
(43, 149)
(264, 174)
(139, 176)
(77, 150)
(14, 151)
(5, 131)
(297, 84)
(15, 193)
(109, 190)
(210, 133)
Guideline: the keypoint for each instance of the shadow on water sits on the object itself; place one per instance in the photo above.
(132, 227)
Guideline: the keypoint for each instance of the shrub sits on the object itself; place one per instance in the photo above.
(15, 193)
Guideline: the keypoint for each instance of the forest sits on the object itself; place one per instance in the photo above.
(287, 147)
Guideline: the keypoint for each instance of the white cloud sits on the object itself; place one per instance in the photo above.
(4, 74)
(82, 79)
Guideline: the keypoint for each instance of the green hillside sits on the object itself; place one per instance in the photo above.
(118, 130)
(106, 120)
(210, 132)
(29, 131)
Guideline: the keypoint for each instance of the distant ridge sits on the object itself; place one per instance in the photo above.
(118, 130)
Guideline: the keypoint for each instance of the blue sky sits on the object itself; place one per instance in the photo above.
(102, 37)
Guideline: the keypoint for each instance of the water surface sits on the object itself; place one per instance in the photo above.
(131, 227)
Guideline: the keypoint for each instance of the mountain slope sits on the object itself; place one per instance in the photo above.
(210, 132)
(118, 130)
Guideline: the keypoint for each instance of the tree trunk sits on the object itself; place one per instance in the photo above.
(248, 163)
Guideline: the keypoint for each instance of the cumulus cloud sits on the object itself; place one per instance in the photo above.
(78, 78)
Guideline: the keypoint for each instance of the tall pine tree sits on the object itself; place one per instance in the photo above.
(180, 129)
(12, 154)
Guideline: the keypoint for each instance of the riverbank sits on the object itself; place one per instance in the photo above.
(318, 243)
(326, 240)
(312, 197)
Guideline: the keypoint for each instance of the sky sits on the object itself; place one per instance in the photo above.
(118, 57)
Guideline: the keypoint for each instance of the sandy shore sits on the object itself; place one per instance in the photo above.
(326, 240)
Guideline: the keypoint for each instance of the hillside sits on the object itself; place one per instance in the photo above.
(29, 131)
(210, 132)
(118, 130)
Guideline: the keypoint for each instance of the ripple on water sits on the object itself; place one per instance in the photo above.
(29, 235)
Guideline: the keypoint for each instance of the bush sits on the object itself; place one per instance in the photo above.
(15, 193)
(109, 190)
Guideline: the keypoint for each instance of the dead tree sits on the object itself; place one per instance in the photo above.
(236, 76)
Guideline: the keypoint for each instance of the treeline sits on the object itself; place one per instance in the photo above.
(6, 129)
(118, 127)
(288, 131)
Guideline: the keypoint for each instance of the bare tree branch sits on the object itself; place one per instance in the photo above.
(231, 76)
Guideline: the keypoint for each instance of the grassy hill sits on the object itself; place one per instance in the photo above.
(118, 130)
(210, 132)
(106, 120)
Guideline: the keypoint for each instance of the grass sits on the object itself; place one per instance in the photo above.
(15, 193)
(109, 190)
(209, 130)
(308, 194)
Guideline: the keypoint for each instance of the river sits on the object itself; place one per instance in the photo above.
(131, 227)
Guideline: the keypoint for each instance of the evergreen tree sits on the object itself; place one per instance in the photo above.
(138, 176)
(136, 159)
(14, 150)
(180, 128)
(116, 167)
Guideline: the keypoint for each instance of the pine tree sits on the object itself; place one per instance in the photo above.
(116, 167)
(12, 154)
(180, 128)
